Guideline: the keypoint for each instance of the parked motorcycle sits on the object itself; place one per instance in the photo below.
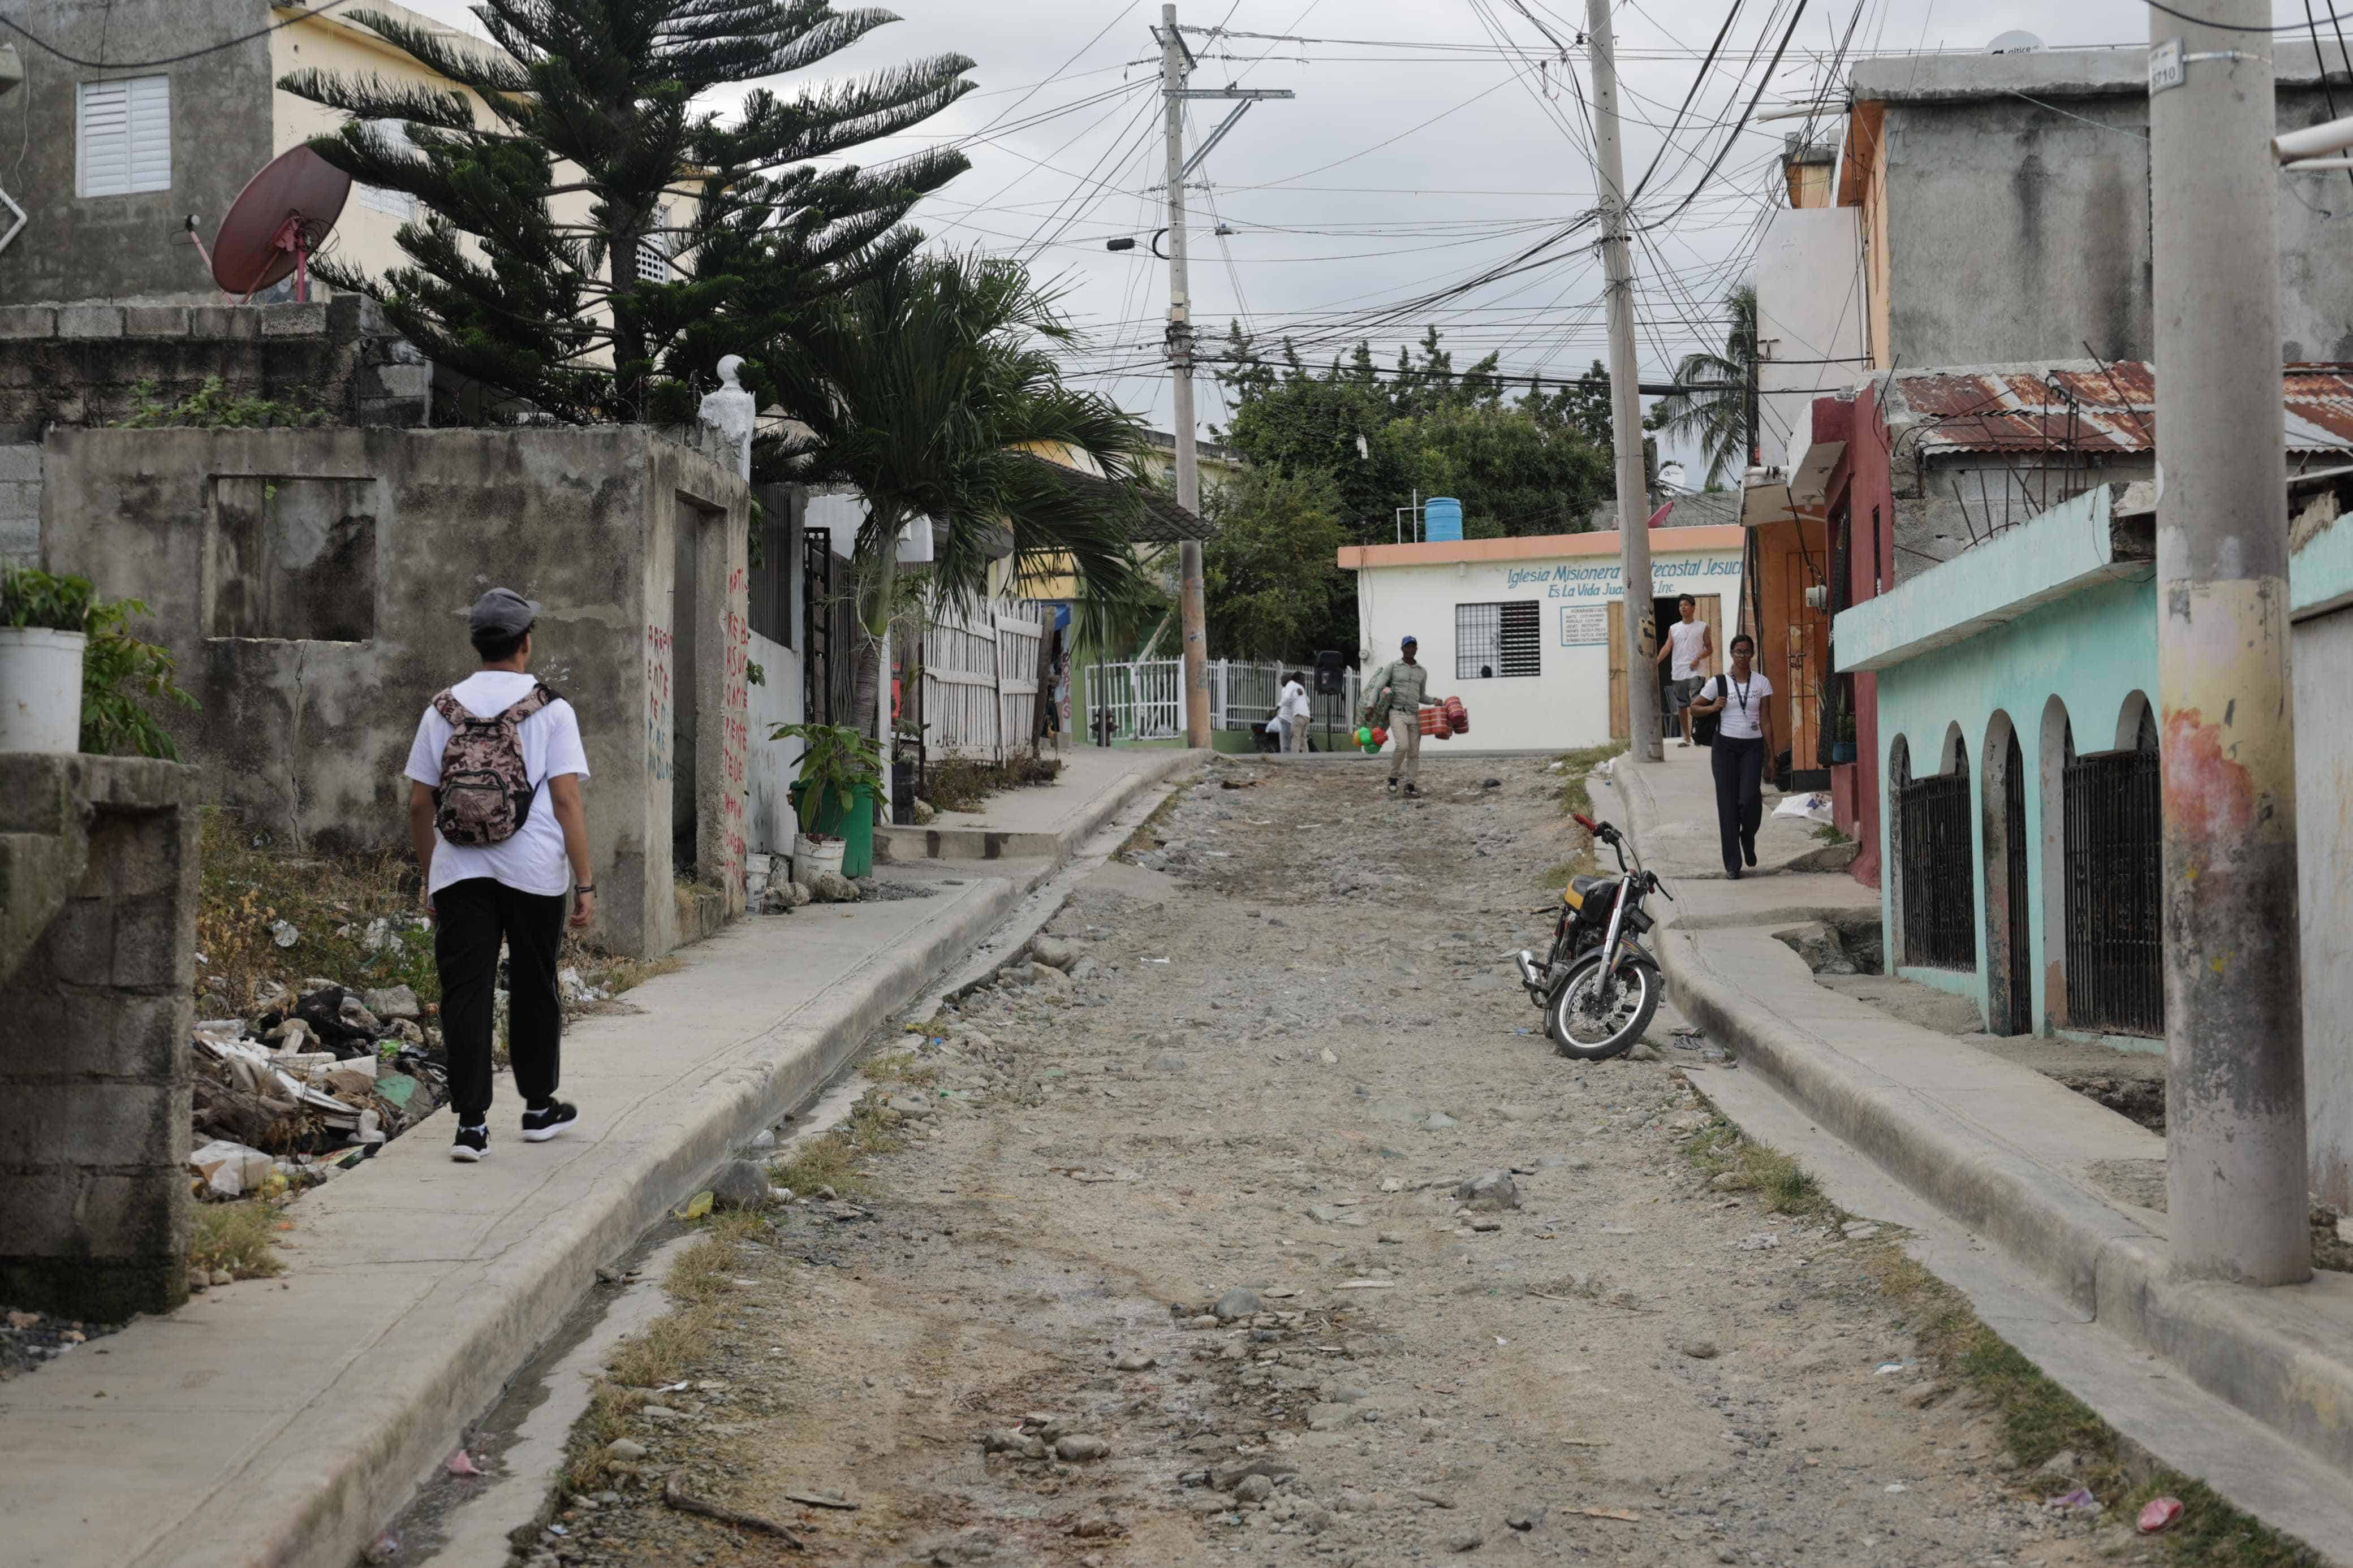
(1599, 988)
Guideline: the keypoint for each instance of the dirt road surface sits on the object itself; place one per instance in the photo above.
(1171, 1267)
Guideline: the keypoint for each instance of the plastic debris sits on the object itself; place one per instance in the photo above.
(461, 1463)
(2080, 1500)
(1887, 1369)
(2162, 1513)
(696, 1206)
(284, 934)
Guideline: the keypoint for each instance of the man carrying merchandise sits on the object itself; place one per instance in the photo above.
(1400, 692)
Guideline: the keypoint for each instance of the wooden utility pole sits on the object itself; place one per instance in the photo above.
(1625, 395)
(2235, 1176)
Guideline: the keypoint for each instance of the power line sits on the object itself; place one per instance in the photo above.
(320, 9)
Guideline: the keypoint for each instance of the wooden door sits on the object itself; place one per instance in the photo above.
(1710, 610)
(1620, 726)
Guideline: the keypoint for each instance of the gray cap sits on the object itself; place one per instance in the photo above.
(502, 610)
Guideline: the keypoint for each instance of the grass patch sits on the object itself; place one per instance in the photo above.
(958, 785)
(831, 1158)
(1786, 1188)
(235, 1236)
(2037, 1417)
(899, 1067)
(247, 884)
(1147, 832)
(1577, 765)
(1828, 832)
(669, 1345)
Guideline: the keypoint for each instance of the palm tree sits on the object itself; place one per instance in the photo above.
(1718, 416)
(930, 388)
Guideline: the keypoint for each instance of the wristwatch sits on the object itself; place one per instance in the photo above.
(585, 888)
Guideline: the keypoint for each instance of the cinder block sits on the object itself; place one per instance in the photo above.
(20, 463)
(406, 381)
(61, 1035)
(305, 321)
(102, 1126)
(156, 321)
(90, 1211)
(28, 321)
(89, 320)
(153, 948)
(79, 946)
(225, 321)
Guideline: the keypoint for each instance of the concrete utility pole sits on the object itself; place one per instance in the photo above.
(1192, 610)
(1625, 395)
(2234, 1140)
(1176, 61)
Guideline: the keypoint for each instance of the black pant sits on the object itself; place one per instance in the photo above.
(472, 916)
(1739, 793)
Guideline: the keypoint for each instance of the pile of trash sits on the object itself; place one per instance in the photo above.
(319, 1080)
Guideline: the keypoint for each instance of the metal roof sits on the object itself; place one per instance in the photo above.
(2082, 406)
(1156, 519)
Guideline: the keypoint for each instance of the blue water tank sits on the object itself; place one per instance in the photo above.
(1442, 519)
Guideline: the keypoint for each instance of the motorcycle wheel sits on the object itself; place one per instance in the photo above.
(1583, 1029)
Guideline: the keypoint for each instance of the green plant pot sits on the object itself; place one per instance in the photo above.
(1842, 752)
(854, 826)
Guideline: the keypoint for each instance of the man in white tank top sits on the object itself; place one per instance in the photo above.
(1689, 648)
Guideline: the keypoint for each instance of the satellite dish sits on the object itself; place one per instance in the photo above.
(2017, 41)
(276, 222)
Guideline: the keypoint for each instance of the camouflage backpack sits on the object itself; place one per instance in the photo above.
(485, 793)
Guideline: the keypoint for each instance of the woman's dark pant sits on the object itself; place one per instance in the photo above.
(1739, 793)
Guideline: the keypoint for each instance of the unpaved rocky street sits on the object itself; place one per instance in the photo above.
(1172, 1270)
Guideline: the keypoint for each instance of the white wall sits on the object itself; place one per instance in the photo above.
(1566, 706)
(1809, 306)
(2323, 825)
(772, 764)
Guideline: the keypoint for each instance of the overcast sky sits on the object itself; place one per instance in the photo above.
(1446, 140)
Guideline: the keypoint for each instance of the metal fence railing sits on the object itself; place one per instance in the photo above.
(2116, 911)
(1144, 700)
(1933, 850)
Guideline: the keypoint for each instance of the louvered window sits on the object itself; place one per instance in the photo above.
(1491, 641)
(123, 136)
(655, 249)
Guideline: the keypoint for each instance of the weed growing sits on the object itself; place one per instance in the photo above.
(265, 914)
(235, 1236)
(957, 784)
(1576, 766)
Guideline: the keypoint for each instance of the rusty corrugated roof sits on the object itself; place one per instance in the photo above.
(2080, 406)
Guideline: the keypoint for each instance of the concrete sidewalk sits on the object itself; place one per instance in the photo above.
(2007, 1157)
(1043, 820)
(282, 1422)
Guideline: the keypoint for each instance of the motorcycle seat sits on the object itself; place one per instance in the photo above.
(1589, 886)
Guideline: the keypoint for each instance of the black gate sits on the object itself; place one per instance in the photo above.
(2115, 925)
(1938, 872)
(817, 620)
(2022, 946)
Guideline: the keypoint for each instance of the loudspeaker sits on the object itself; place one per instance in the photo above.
(1331, 672)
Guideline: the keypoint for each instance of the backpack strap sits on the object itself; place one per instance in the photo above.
(446, 703)
(541, 695)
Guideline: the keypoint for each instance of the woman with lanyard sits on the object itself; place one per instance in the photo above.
(1744, 739)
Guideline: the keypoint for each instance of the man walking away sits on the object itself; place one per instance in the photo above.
(1744, 739)
(1400, 692)
(494, 812)
(1293, 711)
(1689, 646)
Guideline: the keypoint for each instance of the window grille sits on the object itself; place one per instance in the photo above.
(1495, 641)
(123, 136)
(378, 198)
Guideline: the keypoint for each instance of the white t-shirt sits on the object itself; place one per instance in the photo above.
(1682, 641)
(532, 861)
(1294, 701)
(1743, 717)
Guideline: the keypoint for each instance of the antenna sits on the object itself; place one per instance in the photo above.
(276, 224)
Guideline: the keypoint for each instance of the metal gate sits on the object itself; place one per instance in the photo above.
(2116, 924)
(1938, 872)
(816, 622)
(2020, 986)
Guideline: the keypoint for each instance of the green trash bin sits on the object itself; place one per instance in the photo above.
(854, 826)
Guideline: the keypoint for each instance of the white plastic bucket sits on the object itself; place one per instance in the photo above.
(811, 856)
(40, 689)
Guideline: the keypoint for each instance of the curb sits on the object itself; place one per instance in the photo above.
(317, 1489)
(945, 844)
(2278, 1355)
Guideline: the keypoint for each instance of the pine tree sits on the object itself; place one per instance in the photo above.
(544, 173)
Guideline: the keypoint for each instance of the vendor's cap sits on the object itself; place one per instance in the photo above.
(1409, 642)
(502, 610)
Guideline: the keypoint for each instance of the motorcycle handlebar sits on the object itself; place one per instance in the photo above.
(1585, 822)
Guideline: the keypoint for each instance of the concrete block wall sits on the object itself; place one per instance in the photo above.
(87, 364)
(314, 586)
(98, 870)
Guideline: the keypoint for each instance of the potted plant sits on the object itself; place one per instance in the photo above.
(1842, 739)
(44, 632)
(841, 774)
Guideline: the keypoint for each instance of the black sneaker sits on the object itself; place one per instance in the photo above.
(538, 1126)
(1413, 789)
(1393, 786)
(1748, 848)
(471, 1143)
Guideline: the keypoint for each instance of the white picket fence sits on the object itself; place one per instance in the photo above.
(1144, 700)
(980, 678)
